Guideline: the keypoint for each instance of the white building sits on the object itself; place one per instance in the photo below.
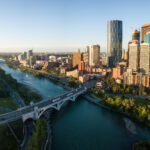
(52, 59)
(145, 58)
(94, 55)
(134, 50)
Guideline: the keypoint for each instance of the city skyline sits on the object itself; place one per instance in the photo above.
(65, 26)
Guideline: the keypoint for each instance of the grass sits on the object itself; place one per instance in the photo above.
(43, 71)
(141, 101)
(7, 140)
(8, 103)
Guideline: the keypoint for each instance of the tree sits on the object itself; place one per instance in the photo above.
(38, 137)
(142, 112)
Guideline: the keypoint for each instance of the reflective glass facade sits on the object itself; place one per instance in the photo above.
(114, 42)
(147, 38)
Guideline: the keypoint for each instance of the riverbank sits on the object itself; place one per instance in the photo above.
(138, 109)
(39, 131)
(142, 145)
(62, 81)
(129, 124)
(47, 117)
(24, 92)
(20, 94)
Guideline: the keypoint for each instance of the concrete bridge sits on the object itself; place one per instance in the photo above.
(36, 110)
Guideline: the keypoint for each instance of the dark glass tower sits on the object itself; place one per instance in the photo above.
(114, 42)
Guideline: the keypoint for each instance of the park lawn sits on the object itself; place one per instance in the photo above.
(142, 101)
(43, 71)
(8, 103)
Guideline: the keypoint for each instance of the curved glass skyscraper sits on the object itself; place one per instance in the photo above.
(114, 42)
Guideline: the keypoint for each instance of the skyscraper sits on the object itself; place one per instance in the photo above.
(86, 56)
(144, 58)
(94, 55)
(77, 57)
(145, 29)
(29, 53)
(114, 42)
(134, 50)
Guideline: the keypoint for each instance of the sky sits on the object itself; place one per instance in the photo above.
(66, 25)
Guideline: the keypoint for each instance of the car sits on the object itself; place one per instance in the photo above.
(55, 100)
(69, 94)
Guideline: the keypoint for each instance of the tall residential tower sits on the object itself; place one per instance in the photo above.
(144, 30)
(114, 42)
(94, 55)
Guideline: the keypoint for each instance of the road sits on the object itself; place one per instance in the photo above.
(5, 109)
(14, 115)
(15, 95)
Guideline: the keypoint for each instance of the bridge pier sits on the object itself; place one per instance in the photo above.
(58, 106)
(73, 98)
(36, 115)
(33, 115)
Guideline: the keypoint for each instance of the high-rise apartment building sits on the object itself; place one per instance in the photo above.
(86, 58)
(136, 79)
(94, 55)
(114, 42)
(144, 58)
(77, 57)
(147, 38)
(134, 51)
(87, 49)
(144, 30)
(29, 53)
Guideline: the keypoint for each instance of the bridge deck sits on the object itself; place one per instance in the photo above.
(14, 115)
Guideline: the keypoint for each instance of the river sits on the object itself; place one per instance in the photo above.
(82, 125)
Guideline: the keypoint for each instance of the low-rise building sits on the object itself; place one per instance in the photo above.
(23, 62)
(52, 59)
(117, 73)
(83, 78)
(40, 62)
(63, 70)
(73, 73)
(136, 79)
(48, 65)
(81, 66)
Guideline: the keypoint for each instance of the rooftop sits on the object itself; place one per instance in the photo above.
(145, 25)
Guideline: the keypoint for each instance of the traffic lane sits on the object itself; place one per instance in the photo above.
(29, 109)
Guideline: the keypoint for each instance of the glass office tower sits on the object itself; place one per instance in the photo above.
(114, 42)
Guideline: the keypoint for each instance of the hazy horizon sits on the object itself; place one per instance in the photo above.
(66, 25)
